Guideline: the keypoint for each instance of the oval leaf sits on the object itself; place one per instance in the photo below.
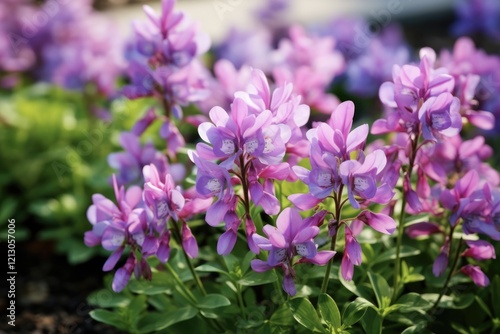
(329, 311)
(155, 321)
(305, 314)
(213, 301)
(381, 289)
(355, 311)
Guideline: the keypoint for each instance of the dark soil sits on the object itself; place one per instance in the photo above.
(51, 294)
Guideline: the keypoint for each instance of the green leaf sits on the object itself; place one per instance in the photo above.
(160, 302)
(372, 322)
(106, 298)
(329, 311)
(483, 305)
(413, 302)
(305, 314)
(155, 321)
(451, 302)
(245, 264)
(136, 307)
(406, 251)
(355, 311)
(210, 268)
(160, 283)
(282, 316)
(253, 278)
(381, 289)
(357, 289)
(415, 329)
(213, 301)
(110, 318)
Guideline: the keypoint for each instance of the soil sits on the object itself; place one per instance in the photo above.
(51, 294)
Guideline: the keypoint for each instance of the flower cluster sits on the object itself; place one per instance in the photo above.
(162, 59)
(292, 237)
(427, 106)
(333, 169)
(140, 221)
(249, 143)
(61, 43)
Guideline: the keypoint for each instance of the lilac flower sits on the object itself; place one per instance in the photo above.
(173, 138)
(360, 178)
(441, 261)
(479, 250)
(122, 275)
(250, 48)
(161, 196)
(115, 227)
(440, 116)
(103, 213)
(143, 123)
(292, 237)
(456, 157)
(135, 157)
(477, 16)
(418, 230)
(336, 136)
(228, 80)
(411, 87)
(374, 65)
(310, 64)
(163, 59)
(378, 221)
(213, 180)
(352, 255)
(476, 76)
(285, 106)
(476, 274)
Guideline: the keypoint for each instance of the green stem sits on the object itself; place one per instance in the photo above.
(326, 279)
(244, 185)
(240, 300)
(187, 293)
(399, 242)
(196, 278)
(401, 228)
(338, 208)
(450, 274)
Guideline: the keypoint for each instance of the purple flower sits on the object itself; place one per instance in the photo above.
(479, 250)
(441, 261)
(173, 137)
(311, 64)
(336, 136)
(135, 157)
(417, 230)
(292, 237)
(122, 275)
(163, 59)
(440, 116)
(352, 255)
(214, 180)
(476, 274)
(411, 87)
(378, 221)
(456, 157)
(161, 196)
(374, 66)
(477, 16)
(360, 178)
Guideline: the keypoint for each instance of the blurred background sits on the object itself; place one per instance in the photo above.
(63, 64)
